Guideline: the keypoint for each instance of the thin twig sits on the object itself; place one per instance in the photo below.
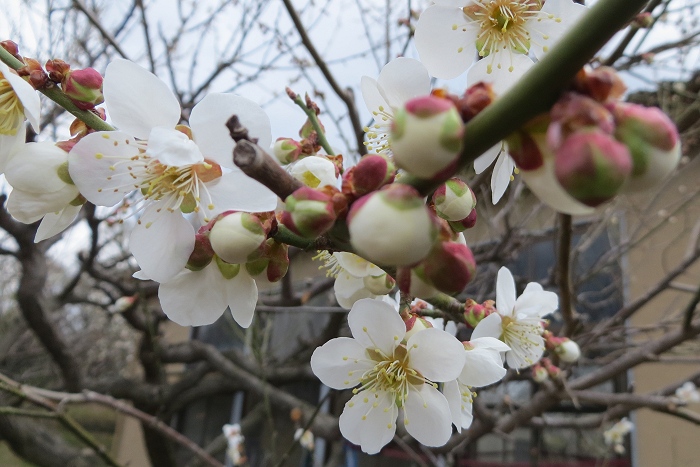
(564, 275)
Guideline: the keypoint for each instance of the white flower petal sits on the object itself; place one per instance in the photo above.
(372, 97)
(34, 168)
(208, 123)
(340, 363)
(26, 95)
(485, 160)
(369, 420)
(238, 192)
(481, 368)
(137, 100)
(90, 164)
(436, 354)
(10, 144)
(402, 79)
(376, 325)
(505, 292)
(56, 222)
(427, 415)
(445, 50)
(356, 265)
(537, 304)
(548, 32)
(500, 178)
(454, 399)
(512, 68)
(349, 289)
(162, 242)
(30, 207)
(491, 326)
(193, 298)
(241, 294)
(172, 147)
(489, 343)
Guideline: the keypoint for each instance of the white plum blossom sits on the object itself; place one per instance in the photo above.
(355, 277)
(483, 366)
(18, 101)
(42, 188)
(392, 375)
(518, 323)
(198, 298)
(314, 172)
(450, 35)
(234, 440)
(400, 80)
(688, 393)
(615, 435)
(172, 170)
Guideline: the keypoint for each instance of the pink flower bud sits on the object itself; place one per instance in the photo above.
(83, 87)
(286, 150)
(57, 69)
(415, 323)
(539, 373)
(203, 253)
(308, 212)
(466, 223)
(237, 237)
(277, 256)
(602, 84)
(454, 200)
(653, 141)
(11, 47)
(474, 312)
(574, 112)
(370, 174)
(592, 167)
(450, 266)
(392, 226)
(426, 136)
(123, 303)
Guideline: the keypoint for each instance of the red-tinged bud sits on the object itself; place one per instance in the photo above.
(203, 253)
(237, 237)
(308, 128)
(392, 226)
(83, 87)
(79, 128)
(539, 373)
(450, 266)
(574, 112)
(466, 223)
(11, 47)
(475, 99)
(602, 84)
(337, 161)
(454, 200)
(525, 145)
(653, 141)
(592, 167)
(475, 312)
(277, 255)
(412, 282)
(415, 323)
(426, 136)
(553, 370)
(370, 174)
(57, 69)
(308, 212)
(643, 20)
(36, 74)
(286, 150)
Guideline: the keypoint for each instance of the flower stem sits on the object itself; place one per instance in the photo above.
(313, 118)
(55, 94)
(540, 87)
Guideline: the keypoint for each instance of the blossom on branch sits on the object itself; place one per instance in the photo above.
(18, 101)
(518, 322)
(392, 374)
(174, 169)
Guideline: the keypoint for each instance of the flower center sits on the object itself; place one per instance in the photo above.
(181, 185)
(391, 374)
(501, 24)
(11, 109)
